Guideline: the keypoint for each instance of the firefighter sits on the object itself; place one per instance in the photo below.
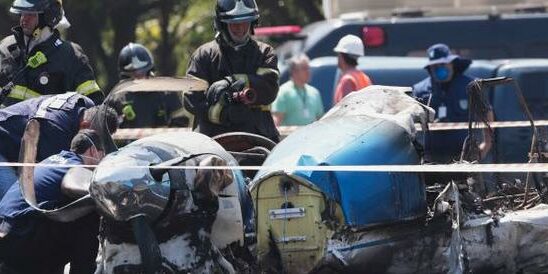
(35, 61)
(242, 74)
(135, 62)
(144, 109)
(60, 117)
(30, 243)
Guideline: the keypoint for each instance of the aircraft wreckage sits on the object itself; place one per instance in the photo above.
(164, 211)
(384, 222)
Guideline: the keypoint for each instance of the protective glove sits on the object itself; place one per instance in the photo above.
(129, 113)
(222, 90)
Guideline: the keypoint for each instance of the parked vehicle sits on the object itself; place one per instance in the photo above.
(530, 74)
(488, 36)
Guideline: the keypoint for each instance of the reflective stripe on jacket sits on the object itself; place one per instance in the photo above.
(63, 67)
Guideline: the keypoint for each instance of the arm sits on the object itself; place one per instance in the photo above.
(83, 78)
(9, 52)
(265, 79)
(320, 112)
(422, 91)
(279, 108)
(195, 66)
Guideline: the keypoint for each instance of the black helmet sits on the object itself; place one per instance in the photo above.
(234, 11)
(50, 11)
(135, 58)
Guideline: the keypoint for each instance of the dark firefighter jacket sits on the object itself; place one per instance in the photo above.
(256, 64)
(65, 68)
(147, 109)
(59, 118)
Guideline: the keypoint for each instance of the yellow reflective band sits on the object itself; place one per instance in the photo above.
(263, 71)
(214, 113)
(37, 60)
(261, 107)
(88, 87)
(23, 93)
(242, 77)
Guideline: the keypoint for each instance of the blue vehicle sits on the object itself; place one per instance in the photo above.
(530, 74)
(486, 35)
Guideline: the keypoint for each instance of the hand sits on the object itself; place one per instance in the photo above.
(216, 91)
(223, 90)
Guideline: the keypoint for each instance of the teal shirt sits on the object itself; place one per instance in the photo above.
(299, 106)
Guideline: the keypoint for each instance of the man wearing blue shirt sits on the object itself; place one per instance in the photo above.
(445, 91)
(32, 243)
(60, 117)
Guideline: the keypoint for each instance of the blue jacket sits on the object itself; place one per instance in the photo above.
(450, 101)
(16, 216)
(59, 118)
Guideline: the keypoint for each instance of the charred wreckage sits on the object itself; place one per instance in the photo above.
(183, 203)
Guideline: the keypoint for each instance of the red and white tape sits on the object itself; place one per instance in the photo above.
(137, 133)
(452, 168)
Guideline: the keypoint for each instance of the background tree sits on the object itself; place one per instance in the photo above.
(171, 29)
(6, 20)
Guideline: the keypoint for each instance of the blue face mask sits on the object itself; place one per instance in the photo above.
(441, 73)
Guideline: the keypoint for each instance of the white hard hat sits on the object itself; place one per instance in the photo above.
(350, 44)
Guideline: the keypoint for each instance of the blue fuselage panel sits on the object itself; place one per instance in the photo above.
(367, 198)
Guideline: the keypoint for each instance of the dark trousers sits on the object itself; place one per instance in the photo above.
(50, 245)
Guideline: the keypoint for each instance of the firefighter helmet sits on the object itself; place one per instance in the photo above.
(134, 59)
(235, 11)
(50, 11)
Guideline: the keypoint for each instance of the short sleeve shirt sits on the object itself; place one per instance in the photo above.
(47, 185)
(300, 106)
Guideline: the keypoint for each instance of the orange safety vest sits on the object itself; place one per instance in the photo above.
(357, 77)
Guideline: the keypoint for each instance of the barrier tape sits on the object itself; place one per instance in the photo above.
(452, 168)
(137, 133)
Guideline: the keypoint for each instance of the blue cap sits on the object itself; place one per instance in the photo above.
(441, 54)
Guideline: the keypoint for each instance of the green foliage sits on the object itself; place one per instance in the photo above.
(289, 12)
(171, 29)
(197, 29)
(190, 27)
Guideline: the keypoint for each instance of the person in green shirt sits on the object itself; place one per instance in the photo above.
(297, 102)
